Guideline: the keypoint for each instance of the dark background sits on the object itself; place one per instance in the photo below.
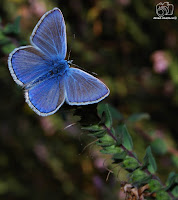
(135, 56)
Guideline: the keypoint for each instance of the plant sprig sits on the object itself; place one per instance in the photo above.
(116, 141)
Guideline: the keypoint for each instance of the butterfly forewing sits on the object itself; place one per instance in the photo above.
(27, 64)
(49, 35)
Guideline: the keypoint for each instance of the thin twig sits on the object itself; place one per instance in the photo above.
(150, 138)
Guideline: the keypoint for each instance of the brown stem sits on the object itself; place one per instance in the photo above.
(171, 150)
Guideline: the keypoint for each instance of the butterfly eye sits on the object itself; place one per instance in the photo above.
(70, 62)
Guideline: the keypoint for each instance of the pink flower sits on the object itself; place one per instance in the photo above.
(37, 7)
(160, 61)
(124, 2)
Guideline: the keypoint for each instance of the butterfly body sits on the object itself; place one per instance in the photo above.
(49, 79)
(58, 69)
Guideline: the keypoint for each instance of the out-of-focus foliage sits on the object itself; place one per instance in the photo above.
(133, 54)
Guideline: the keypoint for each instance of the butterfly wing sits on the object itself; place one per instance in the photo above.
(49, 34)
(26, 64)
(46, 97)
(82, 88)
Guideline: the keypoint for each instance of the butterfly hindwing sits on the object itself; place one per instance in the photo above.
(49, 34)
(82, 88)
(46, 97)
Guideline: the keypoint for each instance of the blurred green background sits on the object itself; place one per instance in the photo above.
(135, 56)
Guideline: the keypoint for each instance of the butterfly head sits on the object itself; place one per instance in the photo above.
(70, 62)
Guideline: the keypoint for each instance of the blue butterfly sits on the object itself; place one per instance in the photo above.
(49, 79)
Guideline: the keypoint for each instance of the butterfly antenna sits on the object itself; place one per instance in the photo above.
(69, 55)
(84, 69)
(70, 51)
(70, 62)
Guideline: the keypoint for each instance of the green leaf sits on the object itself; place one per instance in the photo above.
(137, 117)
(110, 150)
(104, 114)
(98, 134)
(93, 128)
(106, 140)
(6, 49)
(175, 160)
(3, 38)
(149, 161)
(130, 163)
(172, 180)
(162, 195)
(159, 146)
(173, 70)
(154, 185)
(13, 28)
(175, 191)
(115, 113)
(123, 135)
(118, 157)
(139, 177)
